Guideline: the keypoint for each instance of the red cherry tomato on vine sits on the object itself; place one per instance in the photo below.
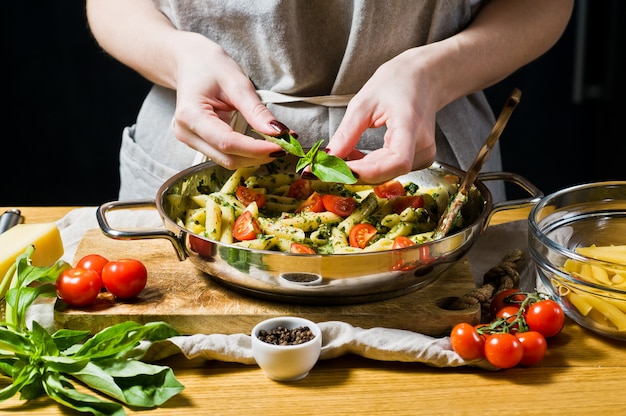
(503, 350)
(389, 189)
(507, 311)
(506, 298)
(535, 347)
(124, 278)
(361, 234)
(93, 262)
(546, 317)
(340, 205)
(467, 342)
(78, 287)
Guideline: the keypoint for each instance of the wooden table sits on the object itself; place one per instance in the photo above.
(581, 374)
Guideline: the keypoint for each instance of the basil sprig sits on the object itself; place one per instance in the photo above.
(327, 168)
(42, 363)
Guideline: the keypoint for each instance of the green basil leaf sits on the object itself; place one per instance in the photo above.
(42, 340)
(61, 390)
(22, 375)
(66, 338)
(131, 381)
(13, 341)
(286, 141)
(6, 365)
(309, 157)
(329, 168)
(121, 338)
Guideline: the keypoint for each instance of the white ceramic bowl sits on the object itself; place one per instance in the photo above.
(286, 362)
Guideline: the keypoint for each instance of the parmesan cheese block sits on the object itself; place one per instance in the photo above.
(45, 237)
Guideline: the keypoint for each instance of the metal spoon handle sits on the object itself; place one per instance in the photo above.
(448, 218)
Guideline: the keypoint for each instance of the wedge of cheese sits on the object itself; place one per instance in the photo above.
(45, 237)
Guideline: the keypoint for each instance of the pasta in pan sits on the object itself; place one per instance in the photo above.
(284, 212)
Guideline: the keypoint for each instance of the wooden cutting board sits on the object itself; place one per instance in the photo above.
(189, 300)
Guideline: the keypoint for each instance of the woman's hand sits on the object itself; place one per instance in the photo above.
(400, 96)
(406, 92)
(210, 85)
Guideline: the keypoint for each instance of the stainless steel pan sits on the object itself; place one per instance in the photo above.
(329, 279)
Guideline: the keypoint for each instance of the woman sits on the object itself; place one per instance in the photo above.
(400, 78)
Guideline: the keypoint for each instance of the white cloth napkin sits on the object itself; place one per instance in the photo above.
(339, 338)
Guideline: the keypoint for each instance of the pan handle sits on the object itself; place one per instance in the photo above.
(535, 193)
(117, 234)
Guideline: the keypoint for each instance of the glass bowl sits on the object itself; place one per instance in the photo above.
(577, 241)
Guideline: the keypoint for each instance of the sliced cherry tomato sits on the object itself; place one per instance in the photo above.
(506, 298)
(503, 350)
(78, 286)
(246, 196)
(124, 278)
(299, 248)
(246, 227)
(361, 234)
(401, 264)
(312, 204)
(535, 347)
(467, 342)
(389, 189)
(300, 189)
(401, 242)
(93, 262)
(340, 205)
(403, 202)
(546, 317)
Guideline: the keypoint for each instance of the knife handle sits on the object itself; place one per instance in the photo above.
(9, 219)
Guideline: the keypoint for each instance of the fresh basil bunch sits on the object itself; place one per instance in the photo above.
(43, 363)
(326, 167)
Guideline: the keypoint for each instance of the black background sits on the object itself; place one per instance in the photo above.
(66, 103)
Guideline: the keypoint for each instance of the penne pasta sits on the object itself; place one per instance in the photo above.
(213, 215)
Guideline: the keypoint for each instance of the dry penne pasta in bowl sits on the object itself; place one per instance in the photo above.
(577, 238)
(269, 233)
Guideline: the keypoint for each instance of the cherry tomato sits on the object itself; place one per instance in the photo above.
(535, 347)
(246, 227)
(546, 317)
(506, 298)
(340, 205)
(400, 264)
(78, 286)
(467, 342)
(299, 248)
(312, 204)
(401, 242)
(124, 278)
(300, 189)
(503, 350)
(389, 189)
(507, 311)
(93, 262)
(246, 196)
(361, 234)
(403, 202)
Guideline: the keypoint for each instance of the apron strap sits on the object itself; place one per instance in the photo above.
(240, 125)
